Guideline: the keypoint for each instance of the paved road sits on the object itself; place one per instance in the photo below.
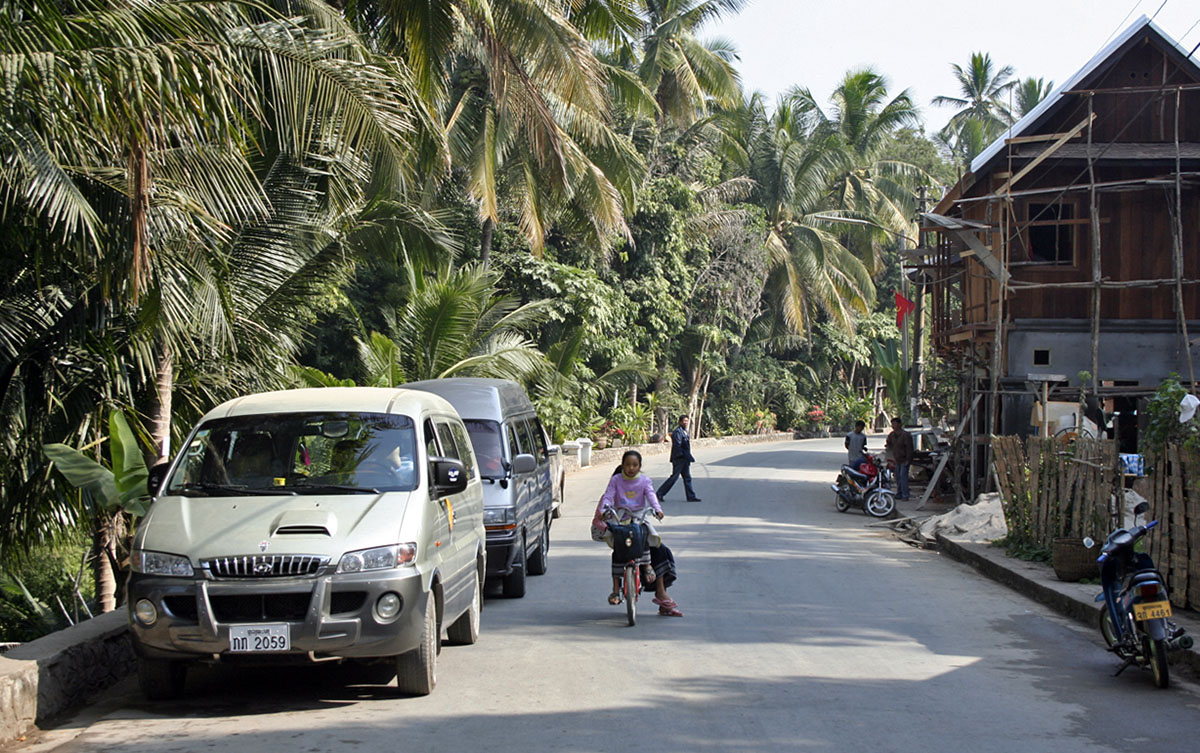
(804, 631)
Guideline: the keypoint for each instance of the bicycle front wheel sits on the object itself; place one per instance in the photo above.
(631, 593)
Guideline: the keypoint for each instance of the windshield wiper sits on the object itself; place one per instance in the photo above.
(230, 490)
(322, 487)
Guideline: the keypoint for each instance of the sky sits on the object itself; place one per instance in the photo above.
(812, 44)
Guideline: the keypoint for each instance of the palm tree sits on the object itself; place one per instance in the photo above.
(867, 187)
(982, 90)
(683, 72)
(1029, 93)
(812, 270)
(455, 323)
(525, 104)
(182, 177)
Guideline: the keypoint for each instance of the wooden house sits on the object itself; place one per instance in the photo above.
(1073, 244)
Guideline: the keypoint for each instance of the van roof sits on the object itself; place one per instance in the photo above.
(474, 397)
(352, 399)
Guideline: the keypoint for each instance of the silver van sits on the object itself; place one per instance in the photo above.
(309, 525)
(521, 470)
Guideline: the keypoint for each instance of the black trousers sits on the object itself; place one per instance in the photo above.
(678, 468)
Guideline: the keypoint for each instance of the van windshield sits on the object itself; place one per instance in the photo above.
(299, 453)
(485, 438)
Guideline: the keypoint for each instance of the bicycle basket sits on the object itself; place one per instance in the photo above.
(629, 540)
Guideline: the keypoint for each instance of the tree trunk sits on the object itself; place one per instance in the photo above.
(700, 410)
(159, 416)
(661, 415)
(485, 241)
(104, 539)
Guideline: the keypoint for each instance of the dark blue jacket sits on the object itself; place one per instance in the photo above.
(681, 446)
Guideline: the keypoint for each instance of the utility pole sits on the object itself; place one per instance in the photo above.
(917, 375)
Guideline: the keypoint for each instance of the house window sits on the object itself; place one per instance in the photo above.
(1041, 356)
(1051, 232)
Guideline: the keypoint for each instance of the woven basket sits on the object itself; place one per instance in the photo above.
(1073, 561)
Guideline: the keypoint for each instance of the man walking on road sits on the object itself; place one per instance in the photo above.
(900, 445)
(681, 459)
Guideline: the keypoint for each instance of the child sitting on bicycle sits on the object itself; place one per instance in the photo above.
(630, 494)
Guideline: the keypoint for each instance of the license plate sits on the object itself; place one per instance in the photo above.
(254, 639)
(1152, 611)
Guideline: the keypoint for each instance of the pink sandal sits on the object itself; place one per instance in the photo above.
(667, 603)
(665, 611)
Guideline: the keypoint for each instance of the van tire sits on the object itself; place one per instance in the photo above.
(465, 630)
(539, 563)
(514, 582)
(561, 498)
(160, 679)
(416, 670)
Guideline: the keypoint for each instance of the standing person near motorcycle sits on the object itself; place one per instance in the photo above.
(900, 445)
(681, 461)
(856, 444)
(629, 493)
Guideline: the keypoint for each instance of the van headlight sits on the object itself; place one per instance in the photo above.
(160, 563)
(378, 558)
(499, 518)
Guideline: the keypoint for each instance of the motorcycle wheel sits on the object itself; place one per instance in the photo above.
(840, 504)
(1107, 628)
(879, 505)
(1157, 654)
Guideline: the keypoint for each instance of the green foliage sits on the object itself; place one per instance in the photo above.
(119, 485)
(32, 587)
(1162, 424)
(895, 375)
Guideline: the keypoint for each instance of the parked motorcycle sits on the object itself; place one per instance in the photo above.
(866, 488)
(1134, 619)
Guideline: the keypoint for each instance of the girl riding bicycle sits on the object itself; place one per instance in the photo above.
(630, 494)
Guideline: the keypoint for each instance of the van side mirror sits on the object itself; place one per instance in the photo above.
(524, 463)
(155, 477)
(449, 476)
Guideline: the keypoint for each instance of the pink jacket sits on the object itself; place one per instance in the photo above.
(634, 495)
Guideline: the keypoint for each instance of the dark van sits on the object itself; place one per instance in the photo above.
(521, 471)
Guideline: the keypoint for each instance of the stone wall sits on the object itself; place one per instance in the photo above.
(64, 670)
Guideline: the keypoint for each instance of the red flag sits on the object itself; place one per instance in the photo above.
(904, 307)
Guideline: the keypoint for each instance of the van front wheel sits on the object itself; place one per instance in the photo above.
(540, 561)
(416, 670)
(160, 679)
(514, 582)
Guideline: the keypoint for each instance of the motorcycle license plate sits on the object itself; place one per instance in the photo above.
(1152, 611)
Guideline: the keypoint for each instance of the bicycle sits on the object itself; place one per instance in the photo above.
(630, 540)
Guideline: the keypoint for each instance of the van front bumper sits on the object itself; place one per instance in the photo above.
(331, 615)
(501, 552)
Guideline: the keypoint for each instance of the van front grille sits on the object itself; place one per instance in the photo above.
(265, 566)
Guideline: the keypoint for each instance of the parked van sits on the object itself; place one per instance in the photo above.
(521, 470)
(307, 525)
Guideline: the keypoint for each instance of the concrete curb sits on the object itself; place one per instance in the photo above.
(64, 670)
(1075, 600)
(61, 671)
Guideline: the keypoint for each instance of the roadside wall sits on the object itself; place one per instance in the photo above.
(64, 670)
(44, 678)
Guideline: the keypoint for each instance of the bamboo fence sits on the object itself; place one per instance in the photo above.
(1054, 490)
(1051, 490)
(1175, 504)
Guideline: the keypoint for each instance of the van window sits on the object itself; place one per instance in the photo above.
(486, 439)
(301, 453)
(528, 445)
(464, 448)
(539, 440)
(446, 440)
(431, 447)
(514, 446)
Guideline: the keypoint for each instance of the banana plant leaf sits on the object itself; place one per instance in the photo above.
(122, 487)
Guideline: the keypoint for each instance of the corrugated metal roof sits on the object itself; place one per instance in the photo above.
(1027, 122)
